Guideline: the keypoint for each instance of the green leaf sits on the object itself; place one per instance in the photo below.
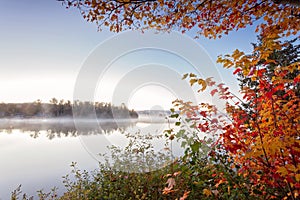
(168, 131)
(174, 115)
(180, 133)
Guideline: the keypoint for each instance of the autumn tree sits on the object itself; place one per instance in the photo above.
(208, 18)
(288, 55)
(261, 130)
(264, 133)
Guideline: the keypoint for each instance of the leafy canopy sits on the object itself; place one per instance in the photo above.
(208, 18)
(259, 132)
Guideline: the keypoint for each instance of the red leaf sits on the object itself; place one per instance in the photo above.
(203, 113)
(269, 94)
(237, 70)
(252, 71)
(297, 79)
(213, 92)
(215, 120)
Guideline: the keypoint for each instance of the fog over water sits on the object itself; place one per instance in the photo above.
(37, 152)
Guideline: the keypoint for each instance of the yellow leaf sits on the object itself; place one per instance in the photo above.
(292, 168)
(282, 171)
(202, 83)
(192, 75)
(253, 78)
(297, 177)
(296, 194)
(207, 192)
(192, 81)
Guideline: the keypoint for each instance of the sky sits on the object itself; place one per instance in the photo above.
(45, 47)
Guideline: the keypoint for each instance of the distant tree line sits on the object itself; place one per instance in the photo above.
(62, 108)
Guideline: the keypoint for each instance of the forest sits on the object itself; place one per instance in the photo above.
(63, 108)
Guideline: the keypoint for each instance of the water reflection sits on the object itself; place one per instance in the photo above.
(56, 128)
(37, 160)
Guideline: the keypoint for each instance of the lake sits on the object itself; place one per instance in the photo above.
(38, 152)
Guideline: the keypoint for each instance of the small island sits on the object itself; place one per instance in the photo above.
(62, 109)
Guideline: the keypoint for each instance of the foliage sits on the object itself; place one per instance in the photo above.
(262, 133)
(196, 178)
(208, 18)
(256, 153)
(131, 174)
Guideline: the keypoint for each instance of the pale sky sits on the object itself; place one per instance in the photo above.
(43, 47)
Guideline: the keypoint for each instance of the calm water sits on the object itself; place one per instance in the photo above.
(37, 153)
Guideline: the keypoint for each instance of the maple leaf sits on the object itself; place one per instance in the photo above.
(185, 195)
(167, 190)
(213, 92)
(171, 183)
(193, 81)
(210, 82)
(276, 16)
(176, 173)
(237, 70)
(297, 177)
(203, 84)
(207, 192)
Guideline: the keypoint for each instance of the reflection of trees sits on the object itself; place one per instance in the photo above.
(56, 128)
